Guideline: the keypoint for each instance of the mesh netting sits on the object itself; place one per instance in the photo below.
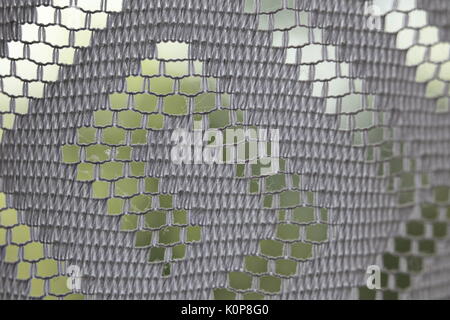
(91, 92)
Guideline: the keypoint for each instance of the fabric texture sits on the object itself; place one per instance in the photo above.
(92, 91)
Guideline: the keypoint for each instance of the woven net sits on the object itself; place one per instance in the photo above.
(91, 92)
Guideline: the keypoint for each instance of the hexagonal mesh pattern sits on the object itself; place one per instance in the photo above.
(91, 93)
